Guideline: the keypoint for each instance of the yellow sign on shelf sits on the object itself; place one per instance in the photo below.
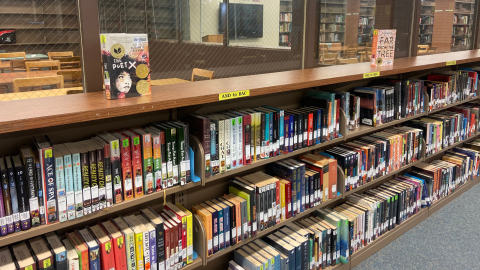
(235, 94)
(371, 74)
(451, 63)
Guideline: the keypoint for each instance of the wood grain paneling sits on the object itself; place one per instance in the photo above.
(30, 114)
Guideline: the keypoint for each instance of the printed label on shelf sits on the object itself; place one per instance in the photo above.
(371, 74)
(451, 63)
(235, 94)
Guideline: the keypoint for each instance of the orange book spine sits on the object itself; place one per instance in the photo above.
(136, 148)
(373, 61)
(206, 218)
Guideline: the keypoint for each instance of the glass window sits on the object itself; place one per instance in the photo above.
(39, 39)
(446, 26)
(226, 40)
(346, 29)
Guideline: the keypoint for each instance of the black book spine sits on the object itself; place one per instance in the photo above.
(22, 193)
(87, 195)
(272, 140)
(94, 180)
(32, 191)
(233, 224)
(7, 202)
(102, 192)
(334, 247)
(41, 199)
(264, 148)
(329, 247)
(261, 210)
(301, 130)
(14, 198)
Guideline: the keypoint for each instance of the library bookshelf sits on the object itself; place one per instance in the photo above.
(91, 113)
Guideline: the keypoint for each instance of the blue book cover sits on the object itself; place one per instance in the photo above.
(297, 181)
(221, 221)
(60, 185)
(226, 221)
(298, 249)
(93, 249)
(281, 126)
(69, 186)
(303, 183)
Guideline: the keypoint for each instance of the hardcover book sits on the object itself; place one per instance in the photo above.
(126, 65)
(47, 164)
(58, 250)
(118, 244)
(72, 256)
(23, 258)
(30, 173)
(41, 254)
(22, 193)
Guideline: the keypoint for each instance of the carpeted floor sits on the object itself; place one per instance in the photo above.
(449, 239)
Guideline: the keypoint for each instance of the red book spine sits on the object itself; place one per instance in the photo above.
(168, 251)
(119, 251)
(126, 168)
(136, 148)
(288, 199)
(107, 257)
(182, 229)
(310, 127)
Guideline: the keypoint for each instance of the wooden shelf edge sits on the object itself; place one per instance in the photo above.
(43, 229)
(196, 263)
(93, 106)
(272, 229)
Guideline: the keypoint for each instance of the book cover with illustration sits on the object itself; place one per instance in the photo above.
(126, 67)
(383, 47)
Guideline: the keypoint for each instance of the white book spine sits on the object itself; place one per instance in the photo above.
(221, 143)
(240, 141)
(227, 135)
(61, 192)
(77, 185)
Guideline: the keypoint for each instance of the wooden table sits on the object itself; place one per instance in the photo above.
(343, 48)
(40, 93)
(167, 81)
(7, 78)
(5, 64)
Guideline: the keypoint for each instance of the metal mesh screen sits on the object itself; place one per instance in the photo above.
(242, 37)
(38, 41)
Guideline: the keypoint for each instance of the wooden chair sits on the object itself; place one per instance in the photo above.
(366, 54)
(351, 51)
(14, 54)
(423, 49)
(432, 49)
(202, 73)
(347, 61)
(71, 78)
(64, 54)
(68, 62)
(40, 64)
(41, 93)
(38, 81)
(19, 65)
(323, 48)
(329, 58)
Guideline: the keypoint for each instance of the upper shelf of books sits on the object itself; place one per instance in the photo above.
(29, 114)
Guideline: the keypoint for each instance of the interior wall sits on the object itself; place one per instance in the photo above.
(204, 20)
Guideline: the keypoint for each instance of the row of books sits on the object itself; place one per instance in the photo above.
(284, 38)
(137, 242)
(66, 181)
(285, 17)
(285, 27)
(448, 127)
(331, 236)
(377, 154)
(259, 201)
(234, 138)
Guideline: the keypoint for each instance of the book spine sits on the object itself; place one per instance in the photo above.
(50, 188)
(69, 186)
(189, 236)
(108, 260)
(247, 131)
(146, 250)
(87, 195)
(3, 220)
(163, 150)
(119, 244)
(94, 188)
(130, 251)
(102, 190)
(240, 142)
(22, 193)
(32, 193)
(214, 155)
(157, 162)
(233, 142)
(39, 188)
(153, 250)
(127, 174)
(188, 158)
(182, 155)
(136, 157)
(61, 190)
(148, 166)
(169, 155)
(175, 156)
(222, 148)
(228, 150)
(77, 183)
(139, 248)
(160, 237)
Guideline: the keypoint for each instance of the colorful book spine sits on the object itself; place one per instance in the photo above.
(77, 183)
(32, 189)
(102, 189)
(136, 148)
(50, 188)
(61, 190)
(87, 195)
(126, 162)
(148, 166)
(69, 186)
(41, 201)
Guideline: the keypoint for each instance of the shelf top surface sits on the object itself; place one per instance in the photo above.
(28, 114)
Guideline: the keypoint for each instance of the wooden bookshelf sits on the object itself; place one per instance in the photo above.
(285, 23)
(92, 112)
(426, 22)
(333, 21)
